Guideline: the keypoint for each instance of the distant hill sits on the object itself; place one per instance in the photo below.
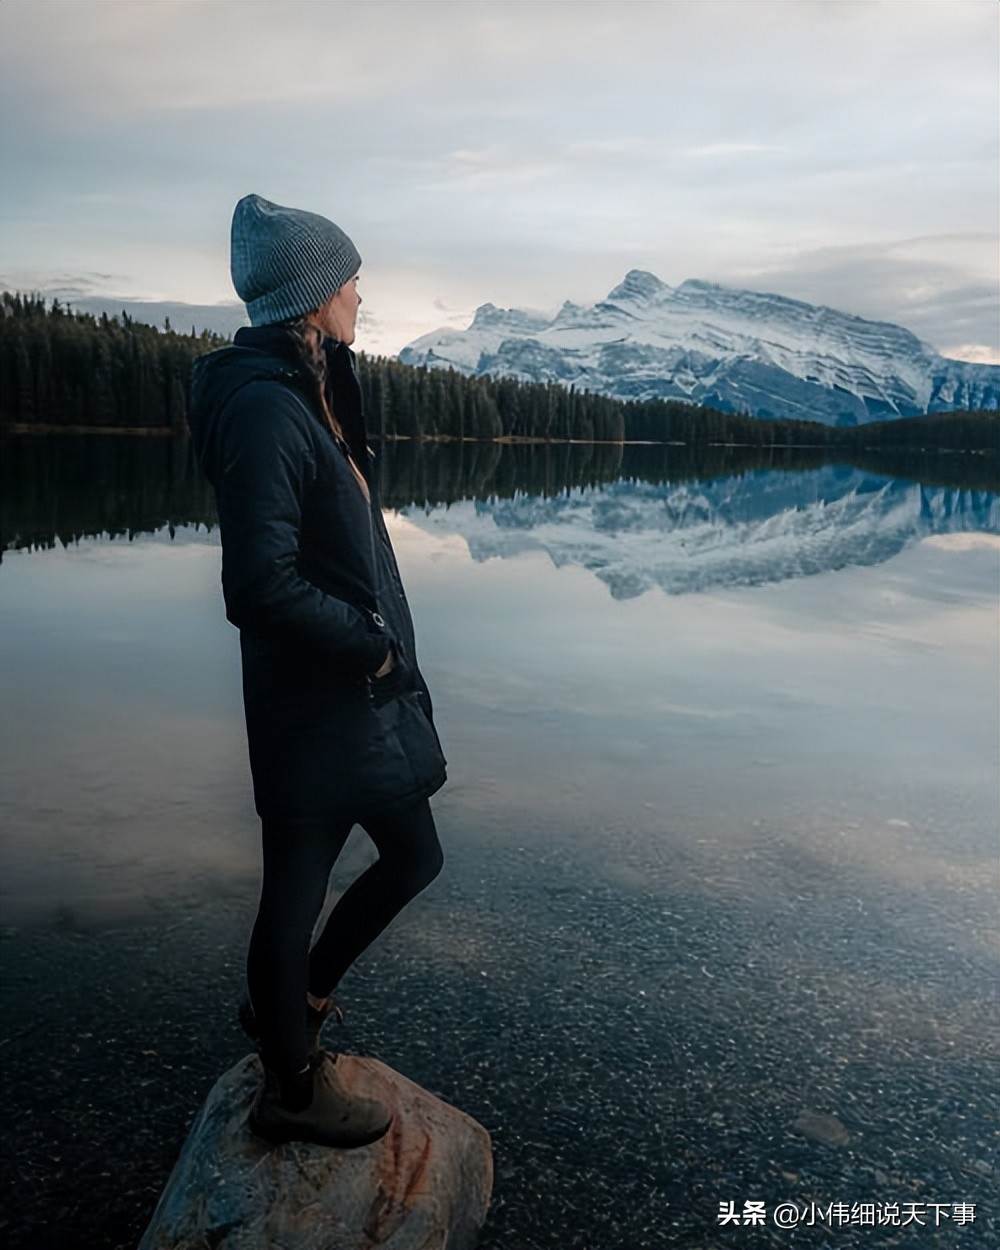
(224, 319)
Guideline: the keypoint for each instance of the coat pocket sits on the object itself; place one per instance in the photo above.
(420, 738)
(398, 680)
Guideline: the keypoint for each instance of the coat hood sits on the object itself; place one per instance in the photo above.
(257, 353)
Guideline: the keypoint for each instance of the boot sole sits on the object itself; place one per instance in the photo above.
(281, 1133)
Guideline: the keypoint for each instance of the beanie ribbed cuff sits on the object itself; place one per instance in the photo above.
(300, 295)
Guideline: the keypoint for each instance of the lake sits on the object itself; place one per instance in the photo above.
(718, 917)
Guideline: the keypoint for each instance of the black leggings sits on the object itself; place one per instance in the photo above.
(297, 863)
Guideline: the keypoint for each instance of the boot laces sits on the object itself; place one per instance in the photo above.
(332, 1008)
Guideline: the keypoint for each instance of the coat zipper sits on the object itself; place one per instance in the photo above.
(373, 612)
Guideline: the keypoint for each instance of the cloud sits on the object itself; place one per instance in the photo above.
(929, 283)
(456, 316)
(975, 353)
(730, 149)
(61, 285)
(368, 323)
(495, 152)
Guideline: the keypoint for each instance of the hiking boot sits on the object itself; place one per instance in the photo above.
(331, 1114)
(315, 1018)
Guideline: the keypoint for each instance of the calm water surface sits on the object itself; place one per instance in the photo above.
(720, 836)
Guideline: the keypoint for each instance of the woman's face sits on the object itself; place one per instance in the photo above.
(338, 317)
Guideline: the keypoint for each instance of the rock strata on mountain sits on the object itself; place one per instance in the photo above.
(740, 351)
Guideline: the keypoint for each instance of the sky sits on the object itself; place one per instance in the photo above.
(843, 152)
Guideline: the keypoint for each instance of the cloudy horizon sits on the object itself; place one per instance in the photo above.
(836, 152)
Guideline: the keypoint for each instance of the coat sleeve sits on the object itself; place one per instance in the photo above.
(264, 460)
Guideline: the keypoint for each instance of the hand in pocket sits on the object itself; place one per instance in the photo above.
(396, 676)
(389, 663)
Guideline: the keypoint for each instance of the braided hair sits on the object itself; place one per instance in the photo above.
(308, 339)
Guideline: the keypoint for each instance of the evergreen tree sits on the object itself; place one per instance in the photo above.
(62, 367)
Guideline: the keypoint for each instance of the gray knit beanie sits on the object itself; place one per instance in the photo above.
(285, 261)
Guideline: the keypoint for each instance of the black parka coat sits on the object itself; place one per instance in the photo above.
(310, 578)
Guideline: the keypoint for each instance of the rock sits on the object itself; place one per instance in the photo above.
(425, 1185)
(821, 1127)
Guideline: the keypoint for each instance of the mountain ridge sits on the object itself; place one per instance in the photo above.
(757, 352)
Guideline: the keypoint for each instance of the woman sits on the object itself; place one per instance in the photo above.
(339, 718)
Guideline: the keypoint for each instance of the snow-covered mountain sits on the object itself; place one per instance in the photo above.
(741, 351)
